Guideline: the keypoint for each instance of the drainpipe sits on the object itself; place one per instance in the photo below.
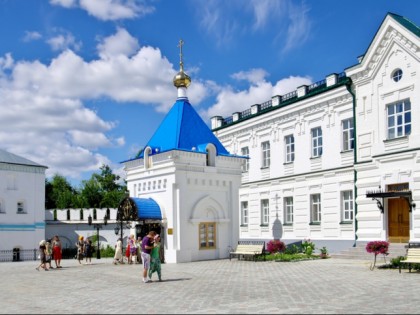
(348, 86)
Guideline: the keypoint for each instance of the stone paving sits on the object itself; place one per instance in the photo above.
(328, 286)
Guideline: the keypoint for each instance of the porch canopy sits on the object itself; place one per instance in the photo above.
(138, 209)
(377, 195)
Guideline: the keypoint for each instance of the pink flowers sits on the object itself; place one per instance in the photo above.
(377, 247)
(275, 246)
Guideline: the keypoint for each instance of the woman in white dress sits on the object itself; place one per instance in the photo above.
(118, 258)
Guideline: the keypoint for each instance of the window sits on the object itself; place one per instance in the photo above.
(2, 208)
(316, 208)
(265, 154)
(347, 205)
(397, 75)
(245, 162)
(244, 213)
(207, 232)
(264, 212)
(288, 210)
(316, 142)
(20, 207)
(290, 148)
(399, 119)
(348, 134)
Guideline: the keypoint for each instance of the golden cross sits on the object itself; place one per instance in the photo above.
(181, 43)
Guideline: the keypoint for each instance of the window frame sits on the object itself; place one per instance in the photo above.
(396, 115)
(316, 142)
(347, 206)
(244, 213)
(20, 205)
(315, 206)
(265, 212)
(348, 134)
(289, 148)
(288, 210)
(206, 226)
(397, 75)
(245, 161)
(265, 154)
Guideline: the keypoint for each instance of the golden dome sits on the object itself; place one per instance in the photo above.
(181, 79)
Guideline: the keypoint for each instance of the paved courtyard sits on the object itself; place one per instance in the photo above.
(334, 286)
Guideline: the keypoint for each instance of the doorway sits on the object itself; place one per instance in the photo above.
(398, 220)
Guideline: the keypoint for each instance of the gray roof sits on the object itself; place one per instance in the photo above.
(10, 158)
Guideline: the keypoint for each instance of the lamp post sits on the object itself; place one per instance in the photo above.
(98, 226)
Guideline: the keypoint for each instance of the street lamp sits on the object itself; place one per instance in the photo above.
(97, 227)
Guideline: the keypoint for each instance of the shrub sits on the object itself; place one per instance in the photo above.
(275, 246)
(308, 247)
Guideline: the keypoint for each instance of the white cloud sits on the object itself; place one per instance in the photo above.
(63, 42)
(30, 36)
(44, 113)
(121, 43)
(64, 3)
(230, 101)
(109, 9)
(253, 75)
(233, 20)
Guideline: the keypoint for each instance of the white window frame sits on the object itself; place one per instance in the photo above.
(289, 142)
(265, 212)
(347, 205)
(20, 207)
(348, 134)
(244, 213)
(315, 208)
(398, 119)
(265, 150)
(316, 146)
(288, 210)
(245, 162)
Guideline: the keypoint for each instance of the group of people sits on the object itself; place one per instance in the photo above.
(149, 247)
(50, 250)
(84, 250)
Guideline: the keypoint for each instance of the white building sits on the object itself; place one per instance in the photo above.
(189, 181)
(318, 155)
(22, 203)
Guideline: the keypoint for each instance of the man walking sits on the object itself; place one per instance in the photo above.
(146, 249)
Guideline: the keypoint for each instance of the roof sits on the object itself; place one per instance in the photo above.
(183, 129)
(147, 209)
(406, 23)
(10, 158)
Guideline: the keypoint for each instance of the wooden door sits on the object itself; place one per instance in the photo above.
(398, 220)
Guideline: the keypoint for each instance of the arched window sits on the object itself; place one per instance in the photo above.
(211, 155)
(147, 158)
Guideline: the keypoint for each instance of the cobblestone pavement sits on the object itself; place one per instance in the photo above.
(334, 286)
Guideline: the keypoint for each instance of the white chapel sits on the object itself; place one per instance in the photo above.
(187, 182)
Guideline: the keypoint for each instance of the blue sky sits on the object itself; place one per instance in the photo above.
(87, 82)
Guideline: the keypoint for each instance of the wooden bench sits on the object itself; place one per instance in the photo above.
(251, 249)
(412, 257)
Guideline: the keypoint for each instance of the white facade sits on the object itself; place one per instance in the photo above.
(386, 78)
(22, 202)
(190, 193)
(321, 193)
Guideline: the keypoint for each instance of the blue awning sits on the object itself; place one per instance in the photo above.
(147, 209)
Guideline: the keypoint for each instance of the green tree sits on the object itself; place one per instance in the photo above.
(59, 193)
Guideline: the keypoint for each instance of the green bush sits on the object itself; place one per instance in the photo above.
(108, 251)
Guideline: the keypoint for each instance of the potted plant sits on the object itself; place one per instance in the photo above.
(324, 252)
(377, 247)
